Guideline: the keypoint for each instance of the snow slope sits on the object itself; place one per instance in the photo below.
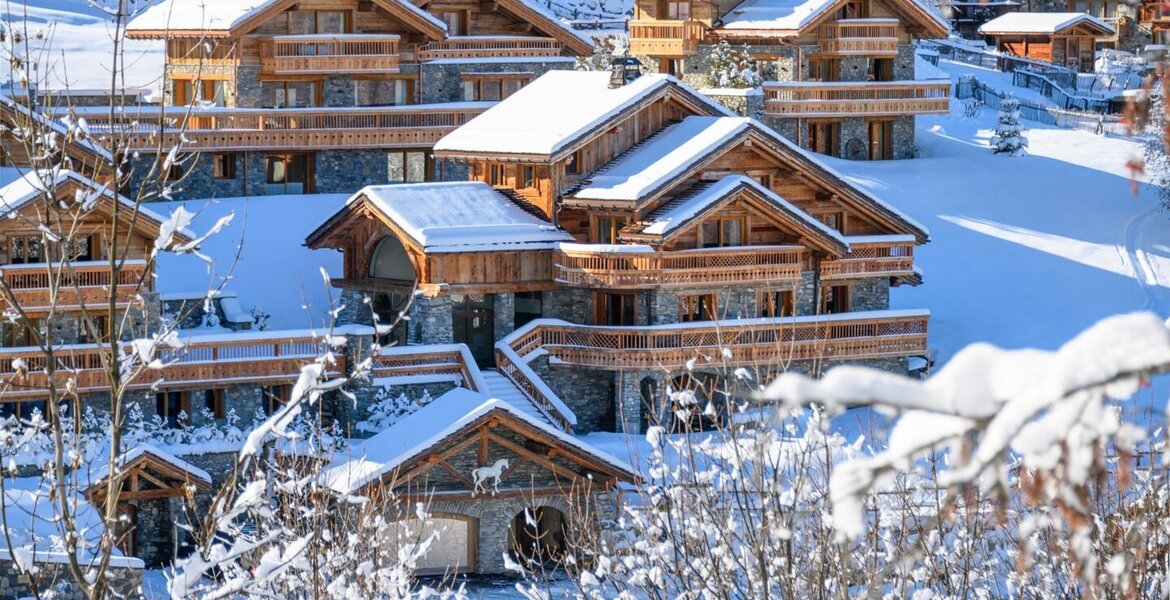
(274, 270)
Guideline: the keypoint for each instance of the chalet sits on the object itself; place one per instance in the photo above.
(1062, 38)
(19, 143)
(643, 215)
(1154, 16)
(839, 74)
(290, 97)
(431, 456)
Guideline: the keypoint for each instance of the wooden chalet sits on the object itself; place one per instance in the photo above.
(432, 455)
(630, 208)
(1155, 15)
(1062, 38)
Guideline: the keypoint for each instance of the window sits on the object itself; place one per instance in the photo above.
(881, 69)
(496, 174)
(26, 249)
(212, 92)
(213, 402)
(407, 166)
(723, 232)
(224, 166)
(607, 230)
(614, 309)
(573, 163)
(854, 9)
(527, 176)
(527, 306)
(383, 92)
(823, 136)
(492, 86)
(880, 147)
(678, 11)
(172, 172)
(302, 22)
(169, 405)
(288, 94)
(835, 299)
(823, 70)
(330, 21)
(275, 396)
(287, 174)
(456, 21)
(834, 220)
(21, 334)
(22, 410)
(697, 308)
(777, 304)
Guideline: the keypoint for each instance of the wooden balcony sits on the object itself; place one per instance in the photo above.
(672, 39)
(751, 342)
(328, 54)
(78, 284)
(230, 129)
(489, 47)
(872, 259)
(856, 98)
(611, 267)
(261, 358)
(859, 37)
(424, 362)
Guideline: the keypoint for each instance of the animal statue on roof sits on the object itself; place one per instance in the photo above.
(494, 472)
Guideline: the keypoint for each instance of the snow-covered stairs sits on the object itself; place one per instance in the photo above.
(502, 388)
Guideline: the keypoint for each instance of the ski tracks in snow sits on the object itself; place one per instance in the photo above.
(1135, 254)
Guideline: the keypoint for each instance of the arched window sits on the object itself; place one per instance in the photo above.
(390, 261)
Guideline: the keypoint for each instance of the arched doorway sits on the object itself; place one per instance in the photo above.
(538, 535)
(390, 261)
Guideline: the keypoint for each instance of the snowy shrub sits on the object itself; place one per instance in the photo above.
(732, 68)
(1009, 133)
(387, 410)
(260, 318)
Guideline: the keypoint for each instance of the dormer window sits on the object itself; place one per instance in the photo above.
(728, 231)
(854, 9)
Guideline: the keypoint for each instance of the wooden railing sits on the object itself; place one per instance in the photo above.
(584, 267)
(859, 37)
(510, 365)
(489, 47)
(414, 361)
(215, 361)
(287, 128)
(328, 54)
(78, 284)
(666, 38)
(750, 342)
(860, 98)
(872, 259)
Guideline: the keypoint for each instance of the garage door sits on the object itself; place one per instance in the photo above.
(454, 550)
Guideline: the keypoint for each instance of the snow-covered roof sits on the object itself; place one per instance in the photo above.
(1029, 22)
(102, 468)
(211, 15)
(416, 433)
(10, 104)
(460, 216)
(556, 110)
(674, 215)
(660, 159)
(32, 184)
(786, 15)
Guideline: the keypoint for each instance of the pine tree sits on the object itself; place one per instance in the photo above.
(1009, 134)
(732, 68)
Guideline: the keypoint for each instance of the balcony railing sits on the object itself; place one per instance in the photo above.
(618, 267)
(77, 284)
(452, 360)
(327, 54)
(872, 259)
(666, 38)
(266, 357)
(750, 342)
(286, 128)
(859, 37)
(489, 47)
(860, 98)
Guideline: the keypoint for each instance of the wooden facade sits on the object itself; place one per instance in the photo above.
(1074, 46)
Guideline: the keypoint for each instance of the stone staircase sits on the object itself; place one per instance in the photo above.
(502, 388)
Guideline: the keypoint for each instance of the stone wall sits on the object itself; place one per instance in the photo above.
(746, 103)
(347, 171)
(588, 393)
(871, 294)
(430, 320)
(55, 578)
(574, 305)
(442, 80)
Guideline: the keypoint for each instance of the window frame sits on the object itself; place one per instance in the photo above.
(698, 307)
(224, 166)
(776, 303)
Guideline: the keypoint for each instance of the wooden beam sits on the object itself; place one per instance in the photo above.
(482, 458)
(534, 457)
(460, 476)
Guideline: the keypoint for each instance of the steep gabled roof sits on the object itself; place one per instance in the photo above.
(230, 18)
(579, 42)
(460, 216)
(649, 171)
(763, 18)
(451, 416)
(1028, 22)
(152, 458)
(15, 115)
(557, 111)
(676, 216)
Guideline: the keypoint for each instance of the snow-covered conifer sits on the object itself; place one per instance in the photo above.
(1009, 133)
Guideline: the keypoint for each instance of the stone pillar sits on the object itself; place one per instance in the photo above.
(430, 320)
(355, 308)
(248, 87)
(629, 401)
(664, 307)
(338, 91)
(255, 175)
(504, 309)
(806, 294)
(854, 142)
(871, 294)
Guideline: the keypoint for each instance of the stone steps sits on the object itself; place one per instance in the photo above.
(502, 388)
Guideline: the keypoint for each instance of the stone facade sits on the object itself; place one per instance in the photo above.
(54, 577)
(588, 393)
(442, 80)
(430, 320)
(871, 294)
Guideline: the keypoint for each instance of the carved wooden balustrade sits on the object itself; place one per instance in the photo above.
(422, 361)
(666, 38)
(303, 128)
(328, 54)
(872, 259)
(267, 357)
(859, 37)
(77, 284)
(855, 98)
(618, 268)
(489, 47)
